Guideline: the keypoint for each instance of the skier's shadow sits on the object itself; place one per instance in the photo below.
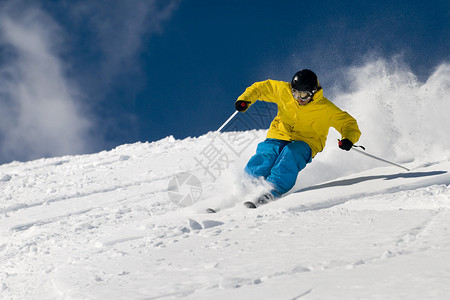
(352, 181)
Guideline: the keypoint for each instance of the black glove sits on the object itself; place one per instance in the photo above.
(345, 145)
(241, 105)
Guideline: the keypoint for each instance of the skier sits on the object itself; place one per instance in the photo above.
(297, 133)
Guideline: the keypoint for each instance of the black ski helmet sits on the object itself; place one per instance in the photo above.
(305, 80)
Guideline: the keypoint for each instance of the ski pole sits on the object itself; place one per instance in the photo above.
(227, 121)
(377, 158)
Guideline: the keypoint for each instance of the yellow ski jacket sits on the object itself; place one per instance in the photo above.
(309, 123)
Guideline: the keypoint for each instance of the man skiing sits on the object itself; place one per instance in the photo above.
(297, 133)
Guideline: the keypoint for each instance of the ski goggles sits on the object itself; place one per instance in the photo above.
(303, 95)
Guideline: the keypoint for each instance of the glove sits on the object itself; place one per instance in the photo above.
(345, 144)
(241, 105)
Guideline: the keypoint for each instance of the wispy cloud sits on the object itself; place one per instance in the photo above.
(113, 72)
(40, 114)
(118, 30)
(50, 85)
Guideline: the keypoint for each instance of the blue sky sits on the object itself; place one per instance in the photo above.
(85, 76)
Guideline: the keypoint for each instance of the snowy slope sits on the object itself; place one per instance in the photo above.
(130, 223)
(105, 226)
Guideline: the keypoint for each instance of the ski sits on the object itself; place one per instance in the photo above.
(264, 199)
(249, 204)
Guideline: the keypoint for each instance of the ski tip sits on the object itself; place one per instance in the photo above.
(210, 211)
(249, 204)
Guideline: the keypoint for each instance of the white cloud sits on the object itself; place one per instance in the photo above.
(42, 111)
(39, 110)
(119, 29)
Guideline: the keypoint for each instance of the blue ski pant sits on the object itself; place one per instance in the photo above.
(279, 162)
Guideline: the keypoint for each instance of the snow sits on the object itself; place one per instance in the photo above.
(109, 225)
(103, 226)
